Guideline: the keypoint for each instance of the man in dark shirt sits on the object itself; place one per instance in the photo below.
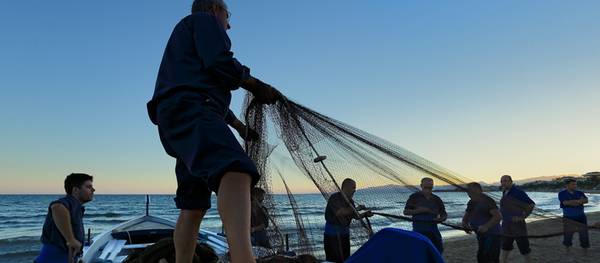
(483, 217)
(339, 213)
(515, 206)
(259, 220)
(63, 232)
(190, 105)
(574, 219)
(427, 209)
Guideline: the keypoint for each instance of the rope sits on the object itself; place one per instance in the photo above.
(469, 229)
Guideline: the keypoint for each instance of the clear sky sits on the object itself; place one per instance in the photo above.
(482, 88)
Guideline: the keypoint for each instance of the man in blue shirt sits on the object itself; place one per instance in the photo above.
(190, 106)
(483, 217)
(63, 232)
(515, 206)
(427, 209)
(574, 219)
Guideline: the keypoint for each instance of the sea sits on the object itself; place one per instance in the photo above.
(22, 216)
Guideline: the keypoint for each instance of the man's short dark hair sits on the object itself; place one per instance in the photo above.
(426, 179)
(570, 180)
(207, 5)
(76, 180)
(347, 181)
(475, 185)
(508, 176)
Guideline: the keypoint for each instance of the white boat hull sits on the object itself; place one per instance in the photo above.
(106, 248)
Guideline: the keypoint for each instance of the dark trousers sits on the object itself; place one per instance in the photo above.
(436, 239)
(489, 248)
(515, 231)
(572, 225)
(337, 247)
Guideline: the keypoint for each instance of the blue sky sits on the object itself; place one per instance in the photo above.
(481, 88)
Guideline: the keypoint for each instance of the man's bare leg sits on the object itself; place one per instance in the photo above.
(186, 234)
(234, 208)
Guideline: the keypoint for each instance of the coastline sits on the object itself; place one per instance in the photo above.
(587, 191)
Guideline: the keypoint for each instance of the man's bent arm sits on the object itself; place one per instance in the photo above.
(418, 210)
(573, 202)
(496, 218)
(233, 121)
(62, 219)
(465, 219)
(343, 212)
(443, 214)
(528, 210)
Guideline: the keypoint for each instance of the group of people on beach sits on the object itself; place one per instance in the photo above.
(499, 228)
(496, 228)
(190, 108)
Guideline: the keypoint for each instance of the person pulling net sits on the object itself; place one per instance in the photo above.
(325, 151)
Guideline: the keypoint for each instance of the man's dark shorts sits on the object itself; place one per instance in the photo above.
(192, 130)
(515, 231)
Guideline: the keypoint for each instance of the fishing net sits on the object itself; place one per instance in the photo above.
(300, 147)
(164, 251)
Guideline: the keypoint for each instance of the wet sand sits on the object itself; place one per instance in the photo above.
(464, 249)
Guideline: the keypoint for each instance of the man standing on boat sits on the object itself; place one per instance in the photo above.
(427, 209)
(515, 206)
(63, 232)
(190, 105)
(574, 219)
(339, 213)
(483, 217)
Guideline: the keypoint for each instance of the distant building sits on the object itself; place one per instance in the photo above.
(594, 175)
(593, 179)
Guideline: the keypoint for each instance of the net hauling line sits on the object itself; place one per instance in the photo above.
(406, 218)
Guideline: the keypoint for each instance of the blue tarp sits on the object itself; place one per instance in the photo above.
(397, 245)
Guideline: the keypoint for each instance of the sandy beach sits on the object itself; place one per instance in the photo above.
(464, 249)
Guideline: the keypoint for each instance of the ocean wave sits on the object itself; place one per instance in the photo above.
(30, 216)
(107, 214)
(21, 256)
(107, 221)
(385, 207)
(19, 240)
(21, 222)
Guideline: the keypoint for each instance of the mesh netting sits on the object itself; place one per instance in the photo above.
(302, 147)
